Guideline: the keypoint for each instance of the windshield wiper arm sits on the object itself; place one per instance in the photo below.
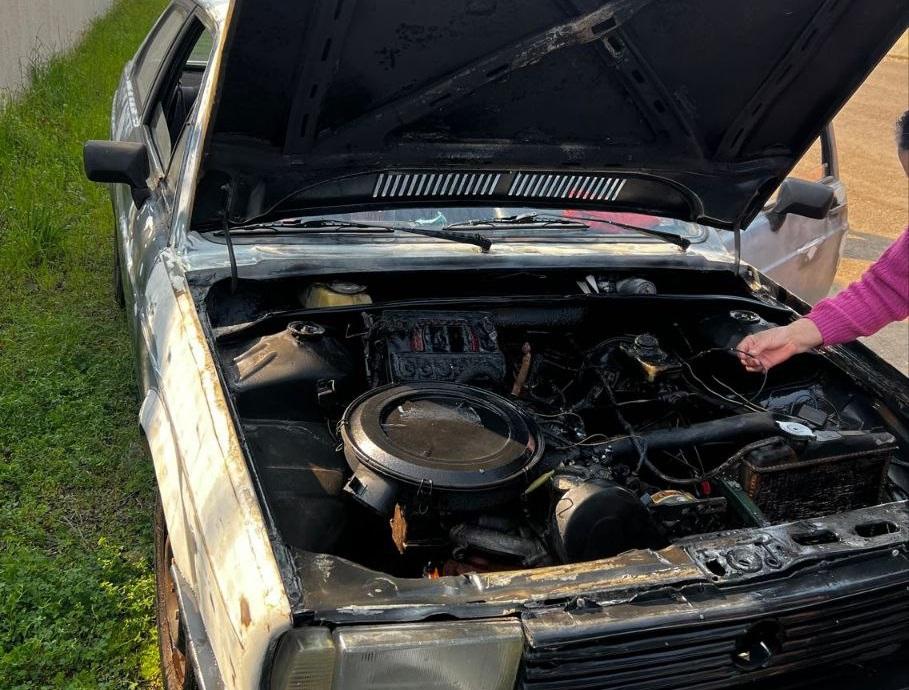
(527, 220)
(330, 225)
(484, 243)
(670, 237)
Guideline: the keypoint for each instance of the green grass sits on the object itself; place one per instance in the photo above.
(76, 489)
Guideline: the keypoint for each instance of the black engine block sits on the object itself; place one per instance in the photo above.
(458, 347)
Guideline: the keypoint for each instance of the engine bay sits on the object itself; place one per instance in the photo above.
(477, 435)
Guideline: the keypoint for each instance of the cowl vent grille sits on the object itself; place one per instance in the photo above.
(510, 185)
(584, 187)
(428, 185)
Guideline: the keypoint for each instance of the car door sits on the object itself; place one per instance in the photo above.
(162, 87)
(802, 254)
(137, 227)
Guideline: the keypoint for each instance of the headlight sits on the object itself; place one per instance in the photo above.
(304, 660)
(423, 656)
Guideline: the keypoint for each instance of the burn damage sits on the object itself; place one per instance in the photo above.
(360, 91)
(451, 454)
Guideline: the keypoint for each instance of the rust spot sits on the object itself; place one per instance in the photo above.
(245, 618)
(399, 529)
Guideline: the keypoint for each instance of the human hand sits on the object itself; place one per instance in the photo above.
(761, 351)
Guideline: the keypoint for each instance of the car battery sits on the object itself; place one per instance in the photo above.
(833, 472)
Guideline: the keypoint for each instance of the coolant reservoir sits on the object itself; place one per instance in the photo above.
(335, 294)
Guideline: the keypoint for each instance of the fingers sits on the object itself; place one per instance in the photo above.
(749, 351)
(750, 345)
(754, 365)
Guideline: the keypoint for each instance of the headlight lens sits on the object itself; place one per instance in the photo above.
(423, 656)
(442, 656)
(304, 660)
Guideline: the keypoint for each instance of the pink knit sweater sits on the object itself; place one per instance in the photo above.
(878, 298)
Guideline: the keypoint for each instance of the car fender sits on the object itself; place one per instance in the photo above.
(220, 540)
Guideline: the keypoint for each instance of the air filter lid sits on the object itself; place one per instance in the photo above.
(440, 437)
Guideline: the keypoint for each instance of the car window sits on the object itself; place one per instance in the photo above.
(201, 52)
(179, 152)
(160, 135)
(155, 50)
(178, 90)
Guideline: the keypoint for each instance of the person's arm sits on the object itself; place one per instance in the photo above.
(880, 297)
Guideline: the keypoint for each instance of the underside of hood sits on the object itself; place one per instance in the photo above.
(694, 109)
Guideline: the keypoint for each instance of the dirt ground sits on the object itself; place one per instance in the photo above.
(877, 187)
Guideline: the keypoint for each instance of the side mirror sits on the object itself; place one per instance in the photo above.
(803, 198)
(119, 162)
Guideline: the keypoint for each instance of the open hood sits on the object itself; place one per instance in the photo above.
(692, 109)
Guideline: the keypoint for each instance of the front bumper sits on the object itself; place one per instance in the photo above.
(339, 592)
(703, 639)
(711, 611)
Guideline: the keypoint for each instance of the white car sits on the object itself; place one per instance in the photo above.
(435, 308)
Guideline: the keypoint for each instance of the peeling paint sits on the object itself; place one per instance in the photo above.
(206, 487)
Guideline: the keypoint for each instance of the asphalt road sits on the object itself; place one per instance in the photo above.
(878, 188)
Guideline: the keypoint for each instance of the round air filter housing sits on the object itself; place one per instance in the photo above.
(459, 447)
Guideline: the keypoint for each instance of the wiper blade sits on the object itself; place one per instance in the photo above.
(291, 224)
(540, 220)
(670, 237)
(527, 220)
(330, 225)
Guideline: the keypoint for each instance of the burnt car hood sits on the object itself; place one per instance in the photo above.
(694, 110)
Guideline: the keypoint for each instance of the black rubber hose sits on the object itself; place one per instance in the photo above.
(738, 429)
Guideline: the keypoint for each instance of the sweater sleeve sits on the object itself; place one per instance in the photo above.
(879, 297)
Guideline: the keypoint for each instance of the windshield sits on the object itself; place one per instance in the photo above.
(597, 222)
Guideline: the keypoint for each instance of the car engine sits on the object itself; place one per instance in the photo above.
(437, 442)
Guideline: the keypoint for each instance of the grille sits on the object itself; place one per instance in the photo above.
(700, 657)
(513, 185)
(586, 187)
(429, 185)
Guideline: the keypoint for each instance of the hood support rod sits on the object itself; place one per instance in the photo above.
(228, 190)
